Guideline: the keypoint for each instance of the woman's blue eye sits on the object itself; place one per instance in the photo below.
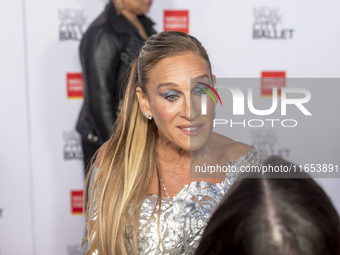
(200, 91)
(170, 96)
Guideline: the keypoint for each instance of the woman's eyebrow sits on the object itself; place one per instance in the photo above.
(195, 81)
(167, 84)
(171, 84)
(202, 76)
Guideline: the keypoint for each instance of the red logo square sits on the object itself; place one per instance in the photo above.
(77, 201)
(75, 85)
(272, 80)
(176, 21)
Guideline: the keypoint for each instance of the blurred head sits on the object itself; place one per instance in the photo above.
(166, 65)
(137, 7)
(273, 216)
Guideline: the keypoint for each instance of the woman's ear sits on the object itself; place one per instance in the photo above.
(143, 101)
(214, 80)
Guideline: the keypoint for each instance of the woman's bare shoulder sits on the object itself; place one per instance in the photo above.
(228, 147)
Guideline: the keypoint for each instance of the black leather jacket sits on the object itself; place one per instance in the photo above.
(108, 47)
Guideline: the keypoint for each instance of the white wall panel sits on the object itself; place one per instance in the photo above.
(53, 118)
(15, 182)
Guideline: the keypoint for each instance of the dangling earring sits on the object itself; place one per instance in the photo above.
(148, 115)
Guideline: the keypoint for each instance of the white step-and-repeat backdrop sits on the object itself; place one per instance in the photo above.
(41, 176)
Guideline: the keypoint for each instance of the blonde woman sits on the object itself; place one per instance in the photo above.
(141, 198)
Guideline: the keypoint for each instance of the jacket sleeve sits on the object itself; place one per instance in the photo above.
(100, 60)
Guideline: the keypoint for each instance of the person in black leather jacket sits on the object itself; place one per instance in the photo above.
(107, 49)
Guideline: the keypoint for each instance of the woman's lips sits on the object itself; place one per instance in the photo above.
(191, 129)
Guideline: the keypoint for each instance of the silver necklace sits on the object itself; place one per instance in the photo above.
(204, 164)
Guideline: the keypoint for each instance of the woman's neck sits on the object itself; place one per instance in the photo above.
(132, 17)
(175, 159)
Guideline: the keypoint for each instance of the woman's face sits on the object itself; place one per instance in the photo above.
(138, 7)
(175, 103)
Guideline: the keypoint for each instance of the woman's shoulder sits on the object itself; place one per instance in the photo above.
(99, 36)
(100, 25)
(228, 146)
(235, 151)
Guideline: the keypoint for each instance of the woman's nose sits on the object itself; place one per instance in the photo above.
(191, 108)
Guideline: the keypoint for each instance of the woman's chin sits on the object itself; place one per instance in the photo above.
(194, 145)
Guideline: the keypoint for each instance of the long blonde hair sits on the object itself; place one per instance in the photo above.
(127, 166)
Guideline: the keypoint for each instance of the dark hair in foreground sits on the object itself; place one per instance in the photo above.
(276, 216)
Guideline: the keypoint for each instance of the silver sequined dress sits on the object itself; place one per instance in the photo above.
(183, 219)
